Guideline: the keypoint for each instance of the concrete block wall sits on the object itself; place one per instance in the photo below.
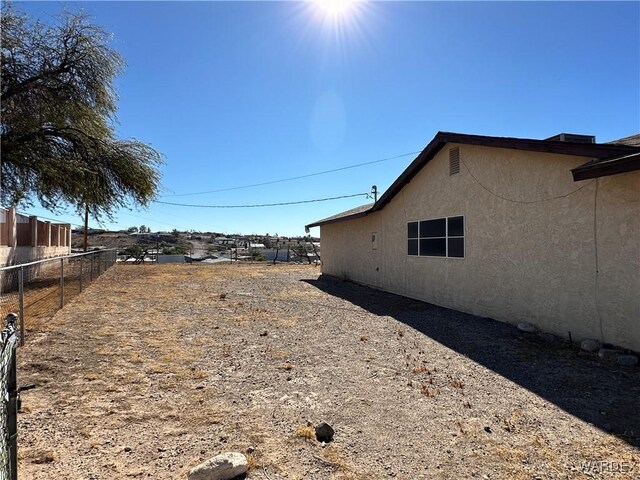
(26, 239)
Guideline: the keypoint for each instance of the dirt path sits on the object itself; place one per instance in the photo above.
(156, 368)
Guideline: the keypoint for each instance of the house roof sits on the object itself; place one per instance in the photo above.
(597, 151)
(633, 140)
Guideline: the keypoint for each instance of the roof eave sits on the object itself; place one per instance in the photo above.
(336, 220)
(604, 169)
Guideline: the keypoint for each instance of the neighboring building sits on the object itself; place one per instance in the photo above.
(25, 239)
(542, 231)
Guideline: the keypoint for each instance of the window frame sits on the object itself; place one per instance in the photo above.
(446, 238)
(416, 239)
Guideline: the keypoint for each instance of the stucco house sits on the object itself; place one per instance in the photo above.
(520, 230)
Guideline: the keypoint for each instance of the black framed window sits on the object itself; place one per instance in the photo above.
(438, 237)
(412, 238)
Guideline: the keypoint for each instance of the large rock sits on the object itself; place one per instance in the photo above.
(221, 467)
(590, 345)
(526, 327)
(324, 432)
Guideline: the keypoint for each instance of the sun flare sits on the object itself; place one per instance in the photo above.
(335, 8)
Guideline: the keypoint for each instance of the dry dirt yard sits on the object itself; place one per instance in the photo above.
(154, 369)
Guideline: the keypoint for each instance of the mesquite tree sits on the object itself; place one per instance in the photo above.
(58, 106)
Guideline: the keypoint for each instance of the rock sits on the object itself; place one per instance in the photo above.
(251, 449)
(609, 353)
(590, 345)
(627, 360)
(221, 467)
(324, 432)
(526, 327)
(487, 429)
(127, 449)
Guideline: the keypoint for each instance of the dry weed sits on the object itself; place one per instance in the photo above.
(345, 471)
(456, 383)
(37, 455)
(421, 369)
(428, 391)
(306, 432)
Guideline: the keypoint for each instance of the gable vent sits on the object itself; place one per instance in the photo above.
(454, 161)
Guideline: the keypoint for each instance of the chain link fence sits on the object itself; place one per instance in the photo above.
(31, 293)
(37, 290)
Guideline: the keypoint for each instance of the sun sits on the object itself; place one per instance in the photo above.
(335, 8)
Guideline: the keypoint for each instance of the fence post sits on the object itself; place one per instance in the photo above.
(61, 282)
(12, 414)
(91, 276)
(21, 302)
(81, 262)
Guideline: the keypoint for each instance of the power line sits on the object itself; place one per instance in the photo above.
(147, 219)
(263, 204)
(292, 178)
(525, 202)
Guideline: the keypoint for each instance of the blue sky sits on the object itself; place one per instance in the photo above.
(238, 93)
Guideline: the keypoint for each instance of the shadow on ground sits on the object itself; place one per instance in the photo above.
(604, 395)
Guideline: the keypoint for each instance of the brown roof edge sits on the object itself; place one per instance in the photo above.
(606, 167)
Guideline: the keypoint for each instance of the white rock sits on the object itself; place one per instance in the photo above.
(526, 327)
(221, 467)
(590, 345)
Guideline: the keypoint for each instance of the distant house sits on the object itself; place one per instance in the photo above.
(224, 241)
(542, 231)
(25, 238)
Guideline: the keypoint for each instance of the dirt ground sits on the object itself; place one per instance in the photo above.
(156, 368)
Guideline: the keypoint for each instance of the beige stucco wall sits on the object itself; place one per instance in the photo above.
(532, 262)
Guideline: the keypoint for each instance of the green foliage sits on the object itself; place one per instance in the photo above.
(132, 251)
(177, 250)
(257, 255)
(58, 106)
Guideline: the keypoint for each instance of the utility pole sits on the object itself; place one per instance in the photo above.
(86, 227)
(374, 192)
